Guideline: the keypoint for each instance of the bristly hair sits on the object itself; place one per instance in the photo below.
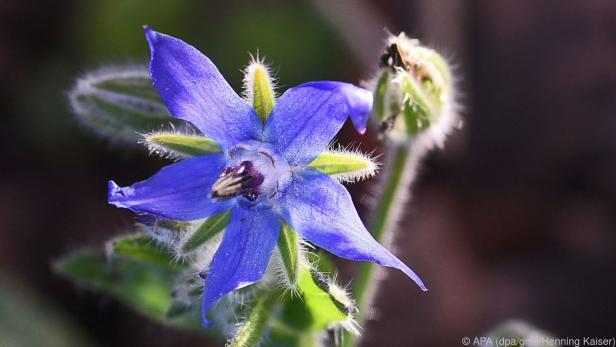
(370, 159)
(249, 77)
(92, 117)
(165, 152)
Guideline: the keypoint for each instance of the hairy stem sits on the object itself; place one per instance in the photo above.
(253, 329)
(395, 191)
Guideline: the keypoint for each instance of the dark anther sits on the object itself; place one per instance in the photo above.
(391, 57)
(387, 124)
(243, 179)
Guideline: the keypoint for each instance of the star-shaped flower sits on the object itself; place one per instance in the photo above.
(261, 175)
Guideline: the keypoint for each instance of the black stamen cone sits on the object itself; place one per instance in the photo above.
(243, 179)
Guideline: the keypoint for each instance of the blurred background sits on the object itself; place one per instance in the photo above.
(515, 218)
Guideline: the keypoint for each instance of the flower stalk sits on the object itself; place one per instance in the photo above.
(415, 110)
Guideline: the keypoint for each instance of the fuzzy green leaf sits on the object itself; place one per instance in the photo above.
(142, 287)
(143, 248)
(314, 309)
(181, 144)
(210, 227)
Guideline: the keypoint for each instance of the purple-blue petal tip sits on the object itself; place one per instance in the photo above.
(115, 193)
(205, 322)
(112, 190)
(150, 35)
(362, 105)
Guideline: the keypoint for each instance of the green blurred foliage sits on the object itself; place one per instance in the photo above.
(28, 319)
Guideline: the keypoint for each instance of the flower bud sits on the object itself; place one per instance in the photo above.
(412, 92)
(119, 102)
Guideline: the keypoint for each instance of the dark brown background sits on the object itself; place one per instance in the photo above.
(514, 219)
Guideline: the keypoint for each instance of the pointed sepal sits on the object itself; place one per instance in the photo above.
(178, 145)
(290, 251)
(204, 232)
(259, 88)
(345, 165)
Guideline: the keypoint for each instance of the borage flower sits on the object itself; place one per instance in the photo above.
(261, 175)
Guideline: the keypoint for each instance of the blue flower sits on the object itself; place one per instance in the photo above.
(261, 175)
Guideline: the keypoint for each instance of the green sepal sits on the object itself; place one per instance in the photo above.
(143, 248)
(417, 110)
(345, 165)
(206, 231)
(262, 92)
(181, 144)
(380, 96)
(289, 247)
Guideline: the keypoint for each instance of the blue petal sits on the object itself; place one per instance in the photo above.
(194, 90)
(321, 211)
(178, 191)
(306, 118)
(243, 255)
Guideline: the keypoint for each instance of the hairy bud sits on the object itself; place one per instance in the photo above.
(119, 102)
(413, 92)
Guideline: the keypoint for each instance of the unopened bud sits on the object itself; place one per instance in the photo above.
(413, 91)
(120, 103)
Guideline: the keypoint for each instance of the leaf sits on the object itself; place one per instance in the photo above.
(143, 248)
(288, 245)
(314, 309)
(143, 286)
(210, 227)
(181, 145)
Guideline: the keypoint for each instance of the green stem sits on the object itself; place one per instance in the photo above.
(253, 329)
(389, 209)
